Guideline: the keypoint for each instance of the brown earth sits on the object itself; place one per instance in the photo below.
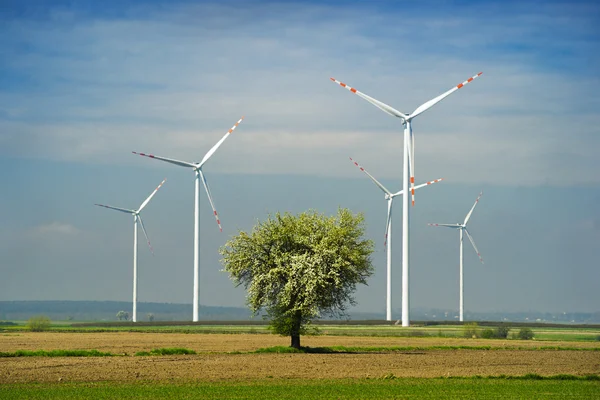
(131, 342)
(212, 364)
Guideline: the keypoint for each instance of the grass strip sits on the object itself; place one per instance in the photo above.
(165, 351)
(56, 353)
(388, 349)
(559, 377)
(92, 353)
(284, 350)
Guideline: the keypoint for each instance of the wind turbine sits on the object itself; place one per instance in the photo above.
(136, 217)
(389, 196)
(408, 172)
(463, 227)
(197, 167)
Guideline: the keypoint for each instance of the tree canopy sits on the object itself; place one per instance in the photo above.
(300, 267)
(123, 315)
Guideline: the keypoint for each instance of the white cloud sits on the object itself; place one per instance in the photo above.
(173, 82)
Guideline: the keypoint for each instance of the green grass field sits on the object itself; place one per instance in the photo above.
(446, 331)
(406, 388)
(206, 329)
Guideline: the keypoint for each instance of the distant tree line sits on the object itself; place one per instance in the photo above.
(107, 310)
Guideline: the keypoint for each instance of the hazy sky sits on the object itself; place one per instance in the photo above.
(83, 83)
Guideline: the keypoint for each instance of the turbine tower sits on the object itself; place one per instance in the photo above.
(408, 173)
(463, 228)
(197, 168)
(136, 217)
(389, 196)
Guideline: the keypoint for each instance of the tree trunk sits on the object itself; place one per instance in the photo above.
(295, 334)
(295, 341)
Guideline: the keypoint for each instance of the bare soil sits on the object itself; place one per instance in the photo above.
(212, 363)
(131, 342)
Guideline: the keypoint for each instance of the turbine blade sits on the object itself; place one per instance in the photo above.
(212, 204)
(169, 160)
(372, 177)
(389, 220)
(472, 208)
(473, 243)
(382, 106)
(418, 186)
(428, 183)
(117, 208)
(446, 225)
(151, 195)
(412, 167)
(145, 234)
(411, 161)
(427, 105)
(216, 146)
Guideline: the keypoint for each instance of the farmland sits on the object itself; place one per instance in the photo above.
(225, 362)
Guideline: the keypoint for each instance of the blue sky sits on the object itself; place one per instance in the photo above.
(84, 83)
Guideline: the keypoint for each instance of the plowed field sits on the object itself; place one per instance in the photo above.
(212, 362)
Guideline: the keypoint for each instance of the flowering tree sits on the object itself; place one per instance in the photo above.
(298, 268)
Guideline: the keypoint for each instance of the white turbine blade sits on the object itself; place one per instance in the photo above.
(411, 161)
(419, 186)
(446, 225)
(412, 145)
(389, 220)
(372, 177)
(428, 183)
(151, 195)
(473, 243)
(382, 106)
(472, 208)
(216, 146)
(145, 234)
(117, 208)
(169, 160)
(212, 204)
(425, 106)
